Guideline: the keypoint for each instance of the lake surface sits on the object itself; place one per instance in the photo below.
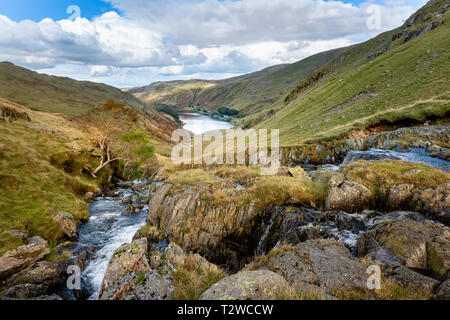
(199, 123)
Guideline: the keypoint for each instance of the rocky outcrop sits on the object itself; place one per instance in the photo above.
(433, 203)
(49, 274)
(18, 259)
(212, 230)
(346, 195)
(375, 155)
(443, 291)
(400, 196)
(320, 265)
(65, 223)
(419, 245)
(425, 137)
(247, 285)
(138, 271)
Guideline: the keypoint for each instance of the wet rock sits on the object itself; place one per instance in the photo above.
(247, 285)
(64, 221)
(347, 196)
(415, 244)
(18, 259)
(132, 257)
(130, 209)
(372, 155)
(127, 199)
(319, 264)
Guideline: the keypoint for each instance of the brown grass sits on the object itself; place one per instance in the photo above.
(193, 278)
(389, 291)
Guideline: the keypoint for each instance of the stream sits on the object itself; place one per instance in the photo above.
(108, 229)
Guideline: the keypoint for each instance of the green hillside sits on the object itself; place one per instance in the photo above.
(401, 75)
(56, 94)
(248, 94)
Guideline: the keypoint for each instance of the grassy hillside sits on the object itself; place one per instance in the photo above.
(44, 161)
(56, 94)
(248, 94)
(401, 75)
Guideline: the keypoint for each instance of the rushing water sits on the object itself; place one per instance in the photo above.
(108, 229)
(411, 154)
(199, 123)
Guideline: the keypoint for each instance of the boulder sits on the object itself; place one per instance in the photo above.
(371, 155)
(37, 241)
(323, 264)
(135, 274)
(186, 217)
(129, 210)
(347, 196)
(139, 286)
(247, 285)
(131, 257)
(434, 203)
(64, 222)
(20, 258)
(415, 244)
(393, 270)
(46, 274)
(322, 176)
(298, 172)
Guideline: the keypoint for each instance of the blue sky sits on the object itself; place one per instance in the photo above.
(56, 9)
(129, 43)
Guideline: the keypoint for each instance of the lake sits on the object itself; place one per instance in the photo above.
(199, 123)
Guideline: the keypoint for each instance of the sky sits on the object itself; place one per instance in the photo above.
(129, 43)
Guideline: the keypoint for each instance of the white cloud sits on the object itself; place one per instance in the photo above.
(175, 39)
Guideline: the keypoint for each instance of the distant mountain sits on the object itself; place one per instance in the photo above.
(56, 94)
(402, 75)
(248, 93)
